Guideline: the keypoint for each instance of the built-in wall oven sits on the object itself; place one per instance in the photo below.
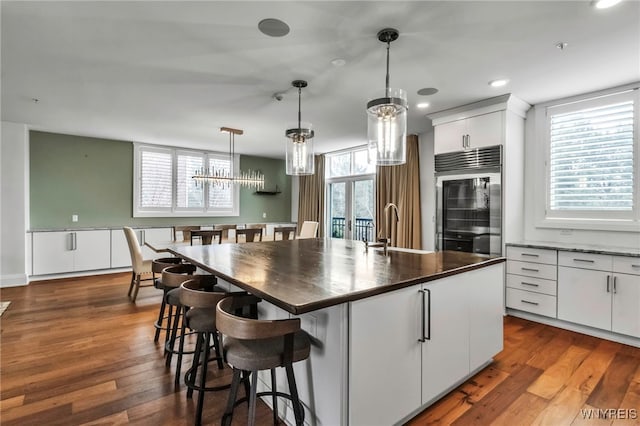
(469, 202)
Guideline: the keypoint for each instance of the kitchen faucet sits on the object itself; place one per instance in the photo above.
(385, 240)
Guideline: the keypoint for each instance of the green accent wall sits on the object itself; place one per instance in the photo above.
(93, 178)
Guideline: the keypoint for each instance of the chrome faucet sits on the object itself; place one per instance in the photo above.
(384, 240)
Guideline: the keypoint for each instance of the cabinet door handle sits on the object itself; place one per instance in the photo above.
(635, 266)
(583, 260)
(530, 255)
(73, 241)
(615, 282)
(426, 313)
(529, 284)
(530, 269)
(529, 303)
(142, 237)
(464, 141)
(608, 279)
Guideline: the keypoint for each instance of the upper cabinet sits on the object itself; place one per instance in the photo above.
(473, 132)
(484, 123)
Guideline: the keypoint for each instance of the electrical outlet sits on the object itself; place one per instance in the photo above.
(74, 218)
(264, 215)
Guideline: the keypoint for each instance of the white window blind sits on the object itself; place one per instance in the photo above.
(164, 184)
(189, 194)
(220, 196)
(155, 180)
(591, 161)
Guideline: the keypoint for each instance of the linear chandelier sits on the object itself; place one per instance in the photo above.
(387, 122)
(226, 177)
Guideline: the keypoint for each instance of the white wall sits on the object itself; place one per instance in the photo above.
(534, 184)
(14, 204)
(427, 189)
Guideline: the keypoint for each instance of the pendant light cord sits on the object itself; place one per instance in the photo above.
(299, 111)
(387, 79)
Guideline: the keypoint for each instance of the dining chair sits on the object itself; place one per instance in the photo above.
(309, 229)
(225, 229)
(139, 266)
(185, 230)
(288, 232)
(207, 235)
(250, 234)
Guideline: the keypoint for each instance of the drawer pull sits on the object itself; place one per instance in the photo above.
(530, 284)
(530, 269)
(615, 290)
(584, 260)
(530, 303)
(530, 255)
(635, 266)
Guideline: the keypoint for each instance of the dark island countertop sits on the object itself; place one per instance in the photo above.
(304, 275)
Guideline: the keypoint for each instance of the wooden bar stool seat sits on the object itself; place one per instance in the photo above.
(172, 278)
(157, 266)
(252, 345)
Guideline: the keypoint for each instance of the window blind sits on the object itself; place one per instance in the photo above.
(188, 193)
(155, 179)
(591, 158)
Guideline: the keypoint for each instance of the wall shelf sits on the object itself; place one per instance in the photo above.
(266, 192)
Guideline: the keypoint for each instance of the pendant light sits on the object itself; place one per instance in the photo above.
(226, 177)
(299, 156)
(387, 118)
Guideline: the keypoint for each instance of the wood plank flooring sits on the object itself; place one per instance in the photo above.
(77, 352)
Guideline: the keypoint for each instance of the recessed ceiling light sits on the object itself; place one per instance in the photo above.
(604, 4)
(422, 105)
(562, 45)
(427, 91)
(273, 27)
(338, 62)
(498, 83)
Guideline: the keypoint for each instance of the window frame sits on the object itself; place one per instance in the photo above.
(174, 210)
(600, 220)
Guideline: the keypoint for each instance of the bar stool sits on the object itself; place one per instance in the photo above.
(201, 297)
(172, 278)
(157, 265)
(254, 345)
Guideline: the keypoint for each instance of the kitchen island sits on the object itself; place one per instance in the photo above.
(390, 333)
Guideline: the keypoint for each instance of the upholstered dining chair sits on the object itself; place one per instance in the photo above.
(309, 229)
(249, 234)
(139, 266)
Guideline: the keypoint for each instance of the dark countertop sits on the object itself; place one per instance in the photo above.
(308, 274)
(580, 248)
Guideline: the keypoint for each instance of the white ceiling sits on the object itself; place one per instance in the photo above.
(174, 72)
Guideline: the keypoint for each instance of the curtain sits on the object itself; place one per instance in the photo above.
(400, 185)
(311, 199)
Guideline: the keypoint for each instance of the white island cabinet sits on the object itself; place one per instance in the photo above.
(70, 251)
(409, 347)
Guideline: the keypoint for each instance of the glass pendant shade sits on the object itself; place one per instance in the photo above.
(387, 129)
(299, 155)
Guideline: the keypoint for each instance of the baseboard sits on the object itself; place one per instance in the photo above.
(78, 274)
(596, 332)
(14, 280)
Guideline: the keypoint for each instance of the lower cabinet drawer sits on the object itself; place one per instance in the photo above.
(541, 304)
(536, 285)
(538, 270)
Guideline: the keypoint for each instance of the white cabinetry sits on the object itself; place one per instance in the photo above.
(61, 251)
(531, 280)
(473, 132)
(430, 338)
(600, 291)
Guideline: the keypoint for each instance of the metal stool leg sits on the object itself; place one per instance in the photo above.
(298, 409)
(252, 398)
(274, 396)
(233, 393)
(203, 379)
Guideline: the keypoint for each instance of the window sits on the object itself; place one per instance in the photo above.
(350, 163)
(592, 166)
(164, 185)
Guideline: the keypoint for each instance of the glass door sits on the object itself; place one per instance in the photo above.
(351, 209)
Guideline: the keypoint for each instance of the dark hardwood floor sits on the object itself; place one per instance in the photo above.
(76, 351)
